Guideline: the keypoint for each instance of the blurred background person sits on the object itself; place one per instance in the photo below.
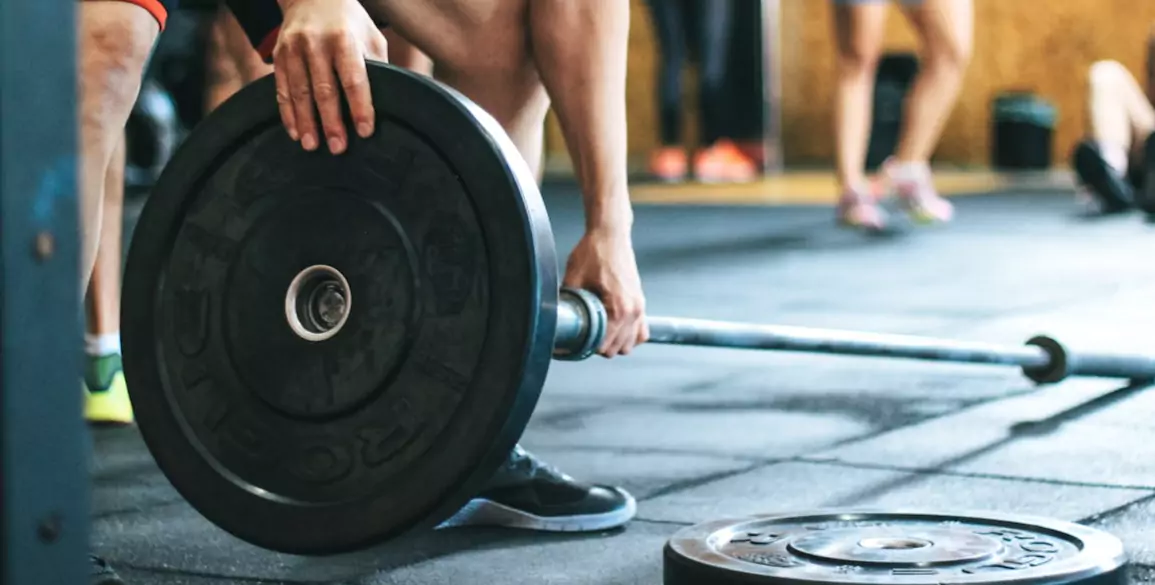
(701, 29)
(945, 31)
(1114, 163)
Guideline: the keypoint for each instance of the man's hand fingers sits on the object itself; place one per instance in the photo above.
(300, 91)
(622, 329)
(377, 48)
(354, 81)
(643, 331)
(327, 95)
(612, 341)
(284, 100)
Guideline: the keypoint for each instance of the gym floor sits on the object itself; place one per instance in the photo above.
(701, 434)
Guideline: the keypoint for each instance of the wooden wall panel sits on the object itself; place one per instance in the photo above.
(1044, 47)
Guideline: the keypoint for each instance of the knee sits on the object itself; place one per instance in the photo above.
(855, 61)
(1105, 74)
(115, 41)
(116, 36)
(951, 54)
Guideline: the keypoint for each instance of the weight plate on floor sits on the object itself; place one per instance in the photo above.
(326, 351)
(905, 547)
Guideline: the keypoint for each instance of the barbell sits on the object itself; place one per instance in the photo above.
(326, 352)
(581, 322)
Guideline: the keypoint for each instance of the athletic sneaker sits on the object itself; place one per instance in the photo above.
(1111, 190)
(100, 573)
(530, 494)
(669, 164)
(914, 185)
(106, 393)
(858, 208)
(724, 162)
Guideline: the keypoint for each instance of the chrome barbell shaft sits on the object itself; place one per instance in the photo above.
(581, 326)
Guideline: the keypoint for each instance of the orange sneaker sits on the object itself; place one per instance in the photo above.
(668, 164)
(724, 162)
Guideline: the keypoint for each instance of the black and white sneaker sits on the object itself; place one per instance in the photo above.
(530, 494)
(100, 573)
(1111, 190)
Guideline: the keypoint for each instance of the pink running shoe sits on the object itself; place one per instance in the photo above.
(858, 208)
(914, 185)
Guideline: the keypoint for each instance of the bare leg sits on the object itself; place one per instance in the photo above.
(103, 302)
(115, 40)
(1120, 116)
(859, 29)
(232, 61)
(107, 400)
(223, 78)
(502, 78)
(946, 28)
(402, 53)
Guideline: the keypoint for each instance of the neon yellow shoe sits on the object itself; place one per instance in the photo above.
(106, 393)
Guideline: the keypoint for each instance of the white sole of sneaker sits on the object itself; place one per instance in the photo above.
(483, 512)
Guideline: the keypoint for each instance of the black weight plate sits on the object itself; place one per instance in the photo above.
(903, 547)
(314, 447)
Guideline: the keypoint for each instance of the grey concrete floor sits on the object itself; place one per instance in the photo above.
(699, 434)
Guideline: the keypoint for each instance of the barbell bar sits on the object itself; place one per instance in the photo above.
(581, 325)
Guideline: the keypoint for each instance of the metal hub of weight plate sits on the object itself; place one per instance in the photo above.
(914, 548)
(327, 351)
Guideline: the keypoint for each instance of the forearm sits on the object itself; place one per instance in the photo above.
(580, 51)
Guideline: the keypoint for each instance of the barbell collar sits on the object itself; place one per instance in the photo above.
(1065, 363)
(581, 325)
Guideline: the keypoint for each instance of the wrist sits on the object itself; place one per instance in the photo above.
(618, 220)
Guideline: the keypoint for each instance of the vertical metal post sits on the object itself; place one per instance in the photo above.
(772, 86)
(43, 446)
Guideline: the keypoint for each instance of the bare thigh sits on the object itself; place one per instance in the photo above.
(858, 33)
(945, 27)
(1119, 109)
(114, 42)
(480, 48)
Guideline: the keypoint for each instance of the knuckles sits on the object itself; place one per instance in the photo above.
(309, 38)
(325, 92)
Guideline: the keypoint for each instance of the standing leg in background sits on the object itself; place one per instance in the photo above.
(668, 162)
(858, 29)
(719, 159)
(106, 395)
(946, 30)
